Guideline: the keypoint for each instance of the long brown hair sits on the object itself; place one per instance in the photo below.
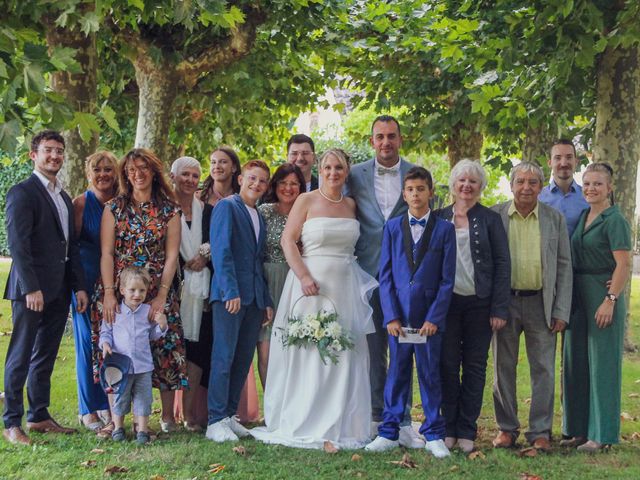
(235, 185)
(161, 191)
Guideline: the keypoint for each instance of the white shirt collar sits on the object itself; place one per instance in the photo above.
(57, 186)
(426, 217)
(377, 165)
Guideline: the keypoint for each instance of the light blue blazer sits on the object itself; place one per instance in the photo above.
(360, 187)
(236, 256)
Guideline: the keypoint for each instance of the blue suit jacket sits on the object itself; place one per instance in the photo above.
(236, 256)
(415, 292)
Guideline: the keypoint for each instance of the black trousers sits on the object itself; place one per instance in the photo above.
(463, 364)
(33, 348)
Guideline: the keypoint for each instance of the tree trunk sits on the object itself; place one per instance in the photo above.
(465, 141)
(536, 144)
(158, 86)
(617, 139)
(80, 92)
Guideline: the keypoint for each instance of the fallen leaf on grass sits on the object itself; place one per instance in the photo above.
(215, 468)
(355, 457)
(528, 452)
(634, 395)
(529, 476)
(635, 436)
(156, 411)
(454, 468)
(156, 477)
(406, 462)
(89, 463)
(527, 401)
(97, 451)
(115, 469)
(626, 416)
(240, 450)
(476, 454)
(330, 448)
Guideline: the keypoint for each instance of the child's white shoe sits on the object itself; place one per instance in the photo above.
(409, 438)
(437, 448)
(381, 444)
(237, 428)
(220, 432)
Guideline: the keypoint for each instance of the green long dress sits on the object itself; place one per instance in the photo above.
(592, 376)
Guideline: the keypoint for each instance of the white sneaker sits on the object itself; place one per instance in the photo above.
(409, 438)
(237, 428)
(381, 444)
(220, 432)
(374, 428)
(437, 448)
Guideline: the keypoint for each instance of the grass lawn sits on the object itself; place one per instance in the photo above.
(189, 456)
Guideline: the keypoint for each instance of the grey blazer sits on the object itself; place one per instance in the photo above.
(360, 187)
(557, 276)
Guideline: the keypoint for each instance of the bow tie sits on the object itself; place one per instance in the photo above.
(422, 222)
(387, 171)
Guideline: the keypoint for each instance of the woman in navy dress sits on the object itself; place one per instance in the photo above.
(101, 168)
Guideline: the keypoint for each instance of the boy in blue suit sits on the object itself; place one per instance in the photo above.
(417, 271)
(239, 296)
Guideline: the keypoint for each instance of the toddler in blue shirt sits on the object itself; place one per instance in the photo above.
(130, 334)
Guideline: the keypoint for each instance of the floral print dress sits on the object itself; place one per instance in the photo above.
(141, 231)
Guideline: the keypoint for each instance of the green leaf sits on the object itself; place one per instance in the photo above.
(567, 8)
(109, 116)
(86, 123)
(33, 78)
(139, 4)
(9, 133)
(3, 69)
(63, 58)
(89, 23)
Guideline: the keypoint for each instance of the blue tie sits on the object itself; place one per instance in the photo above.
(422, 222)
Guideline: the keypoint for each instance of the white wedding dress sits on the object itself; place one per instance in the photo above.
(307, 402)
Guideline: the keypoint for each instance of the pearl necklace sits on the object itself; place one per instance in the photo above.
(330, 199)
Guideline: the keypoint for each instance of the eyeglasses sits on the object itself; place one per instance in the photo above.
(131, 171)
(303, 153)
(50, 150)
(284, 184)
(255, 179)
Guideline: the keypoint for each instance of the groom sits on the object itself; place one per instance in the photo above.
(376, 186)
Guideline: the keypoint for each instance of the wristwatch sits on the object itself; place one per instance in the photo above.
(611, 296)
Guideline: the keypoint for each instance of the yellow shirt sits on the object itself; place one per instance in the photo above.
(524, 246)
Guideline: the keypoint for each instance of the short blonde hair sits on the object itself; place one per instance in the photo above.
(467, 167)
(134, 273)
(340, 154)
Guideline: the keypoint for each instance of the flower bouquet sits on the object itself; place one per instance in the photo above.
(322, 330)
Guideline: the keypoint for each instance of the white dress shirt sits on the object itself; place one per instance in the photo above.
(387, 187)
(53, 189)
(417, 229)
(255, 219)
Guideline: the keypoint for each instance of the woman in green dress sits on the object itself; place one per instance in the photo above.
(592, 375)
(285, 186)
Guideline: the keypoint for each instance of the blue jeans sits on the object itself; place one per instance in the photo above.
(234, 343)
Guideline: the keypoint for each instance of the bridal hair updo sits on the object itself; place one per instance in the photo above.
(340, 154)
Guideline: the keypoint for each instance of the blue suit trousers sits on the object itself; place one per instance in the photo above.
(234, 342)
(398, 387)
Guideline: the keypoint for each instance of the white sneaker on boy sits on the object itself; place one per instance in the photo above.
(237, 428)
(220, 432)
(437, 448)
(381, 444)
(409, 438)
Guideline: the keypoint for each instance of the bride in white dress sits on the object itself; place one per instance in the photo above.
(308, 404)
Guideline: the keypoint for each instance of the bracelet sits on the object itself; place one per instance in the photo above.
(109, 287)
(162, 285)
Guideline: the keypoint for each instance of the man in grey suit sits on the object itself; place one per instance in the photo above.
(541, 282)
(376, 186)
